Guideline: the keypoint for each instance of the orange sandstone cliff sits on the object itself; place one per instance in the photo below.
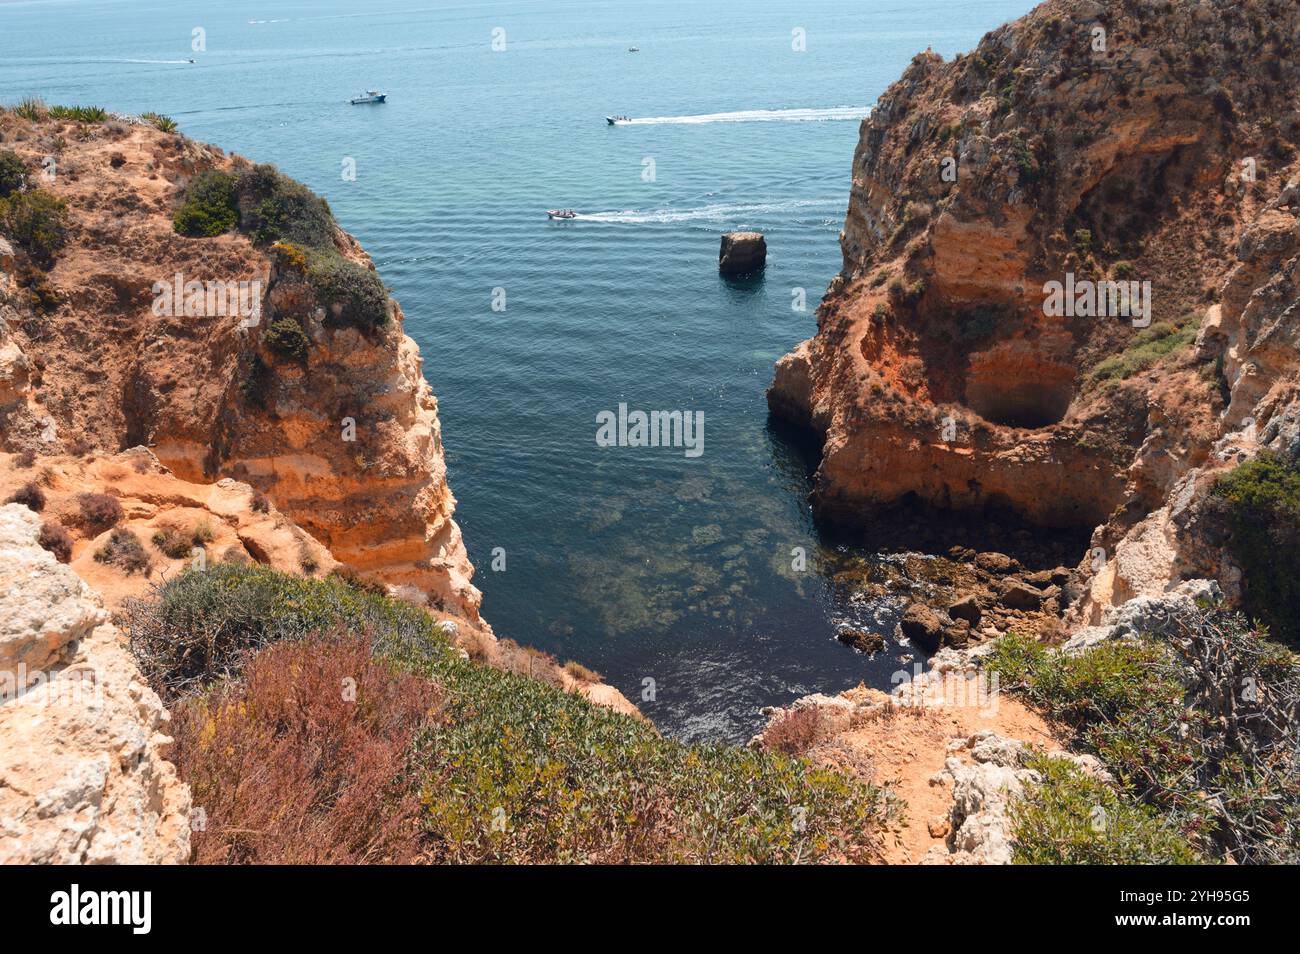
(105, 371)
(1086, 143)
(1123, 141)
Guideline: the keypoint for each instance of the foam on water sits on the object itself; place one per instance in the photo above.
(720, 212)
(833, 114)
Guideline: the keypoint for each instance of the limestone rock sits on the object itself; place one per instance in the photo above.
(742, 253)
(923, 626)
(82, 778)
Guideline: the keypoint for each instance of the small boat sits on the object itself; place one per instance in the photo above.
(372, 96)
(562, 213)
(634, 49)
(615, 120)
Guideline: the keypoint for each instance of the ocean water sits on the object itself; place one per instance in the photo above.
(642, 563)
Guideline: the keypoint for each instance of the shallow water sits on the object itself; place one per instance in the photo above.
(642, 563)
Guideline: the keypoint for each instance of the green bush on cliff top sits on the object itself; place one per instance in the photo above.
(514, 770)
(274, 210)
(209, 208)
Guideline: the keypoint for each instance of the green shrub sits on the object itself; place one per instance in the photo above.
(31, 108)
(1201, 726)
(80, 114)
(13, 173)
(1148, 347)
(286, 338)
(275, 208)
(1072, 819)
(163, 123)
(209, 207)
(515, 770)
(351, 294)
(1261, 501)
(1031, 162)
(36, 219)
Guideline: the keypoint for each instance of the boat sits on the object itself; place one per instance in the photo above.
(634, 49)
(562, 213)
(372, 96)
(615, 120)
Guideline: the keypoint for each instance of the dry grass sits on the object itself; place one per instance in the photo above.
(794, 732)
(304, 761)
(99, 511)
(57, 540)
(30, 496)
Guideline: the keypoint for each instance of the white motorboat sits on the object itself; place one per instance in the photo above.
(372, 96)
(562, 213)
(615, 120)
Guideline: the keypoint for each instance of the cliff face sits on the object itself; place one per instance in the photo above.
(1127, 141)
(346, 442)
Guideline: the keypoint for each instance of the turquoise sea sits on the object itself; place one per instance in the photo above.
(642, 563)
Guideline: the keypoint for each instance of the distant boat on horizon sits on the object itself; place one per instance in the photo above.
(371, 96)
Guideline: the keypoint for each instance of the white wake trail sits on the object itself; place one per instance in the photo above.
(832, 114)
(708, 213)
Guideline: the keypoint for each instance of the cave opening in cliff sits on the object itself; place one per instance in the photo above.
(1019, 388)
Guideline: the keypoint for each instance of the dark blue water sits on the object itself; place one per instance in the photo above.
(639, 562)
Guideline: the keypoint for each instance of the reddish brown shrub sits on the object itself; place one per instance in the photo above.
(57, 540)
(99, 511)
(305, 760)
(124, 550)
(260, 503)
(24, 460)
(30, 496)
(794, 732)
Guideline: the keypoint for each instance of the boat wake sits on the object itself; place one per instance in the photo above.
(711, 213)
(833, 114)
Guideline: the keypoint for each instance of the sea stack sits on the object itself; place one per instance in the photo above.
(742, 253)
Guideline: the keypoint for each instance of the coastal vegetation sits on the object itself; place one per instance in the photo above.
(489, 766)
(37, 220)
(1149, 346)
(1260, 501)
(13, 172)
(276, 211)
(1198, 729)
(34, 109)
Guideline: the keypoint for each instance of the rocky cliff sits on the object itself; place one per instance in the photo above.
(1138, 145)
(176, 392)
(345, 441)
(82, 777)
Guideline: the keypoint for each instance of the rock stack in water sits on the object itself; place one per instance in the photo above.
(742, 253)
